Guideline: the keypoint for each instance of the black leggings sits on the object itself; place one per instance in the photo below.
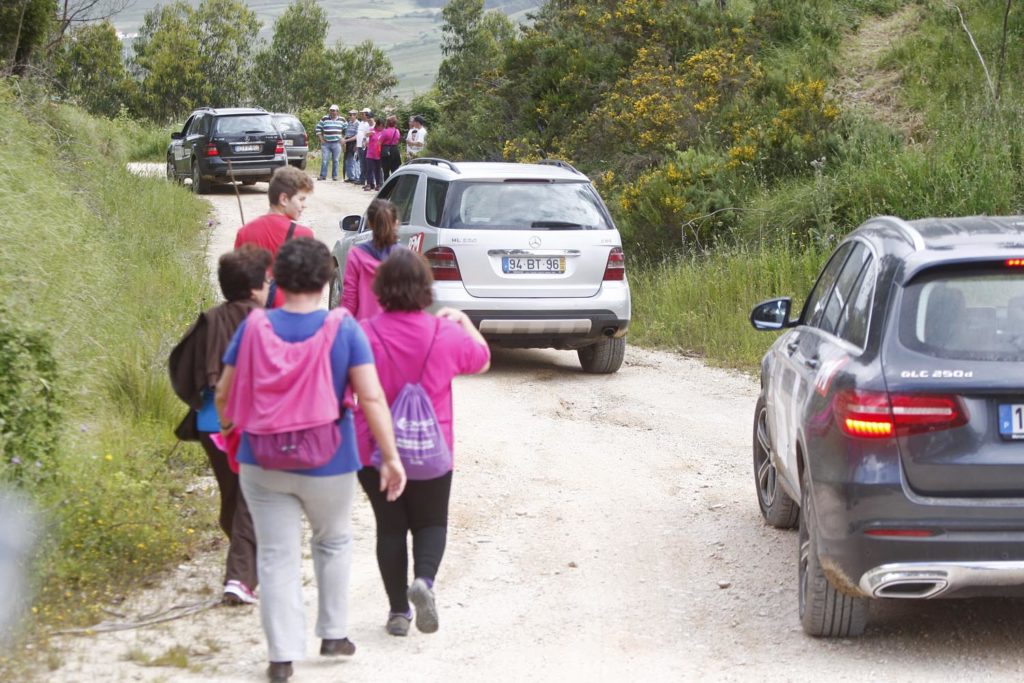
(421, 509)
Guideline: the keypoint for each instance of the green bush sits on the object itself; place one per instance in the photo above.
(29, 409)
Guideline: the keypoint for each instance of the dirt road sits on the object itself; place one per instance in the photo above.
(603, 528)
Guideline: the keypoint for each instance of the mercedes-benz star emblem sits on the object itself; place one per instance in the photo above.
(534, 242)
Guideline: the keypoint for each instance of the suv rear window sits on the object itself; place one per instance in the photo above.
(245, 123)
(519, 205)
(970, 315)
(289, 124)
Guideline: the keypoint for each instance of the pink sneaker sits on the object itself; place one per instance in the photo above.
(237, 593)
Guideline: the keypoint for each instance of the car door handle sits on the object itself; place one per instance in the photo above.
(792, 347)
(812, 363)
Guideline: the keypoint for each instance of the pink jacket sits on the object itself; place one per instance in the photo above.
(281, 386)
(357, 288)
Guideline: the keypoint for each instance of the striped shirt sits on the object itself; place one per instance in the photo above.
(331, 129)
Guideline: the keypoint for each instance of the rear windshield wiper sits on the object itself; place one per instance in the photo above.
(558, 224)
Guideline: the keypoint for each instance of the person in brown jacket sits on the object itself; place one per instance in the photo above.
(195, 366)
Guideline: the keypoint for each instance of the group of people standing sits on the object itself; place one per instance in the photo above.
(366, 147)
(270, 377)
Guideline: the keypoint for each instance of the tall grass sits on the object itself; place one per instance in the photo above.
(112, 266)
(702, 304)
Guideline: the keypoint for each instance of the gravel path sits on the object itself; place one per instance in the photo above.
(603, 528)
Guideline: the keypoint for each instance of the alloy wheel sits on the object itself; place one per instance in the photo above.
(766, 474)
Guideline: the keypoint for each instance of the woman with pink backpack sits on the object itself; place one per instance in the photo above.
(285, 375)
(418, 356)
(364, 258)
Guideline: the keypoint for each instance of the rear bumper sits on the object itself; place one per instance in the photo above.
(296, 153)
(559, 323)
(932, 579)
(966, 548)
(216, 167)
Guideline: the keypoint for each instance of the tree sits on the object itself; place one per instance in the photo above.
(169, 63)
(24, 25)
(295, 70)
(227, 29)
(89, 66)
(189, 57)
(471, 81)
(367, 73)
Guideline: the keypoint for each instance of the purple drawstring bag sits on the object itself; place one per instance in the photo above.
(418, 438)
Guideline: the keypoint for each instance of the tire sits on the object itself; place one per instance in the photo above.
(301, 165)
(777, 508)
(248, 182)
(604, 357)
(825, 612)
(199, 184)
(334, 291)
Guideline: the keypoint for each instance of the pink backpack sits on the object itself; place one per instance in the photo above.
(283, 395)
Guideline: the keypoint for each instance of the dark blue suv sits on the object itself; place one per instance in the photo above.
(891, 418)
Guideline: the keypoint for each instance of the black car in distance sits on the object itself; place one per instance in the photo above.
(890, 423)
(225, 145)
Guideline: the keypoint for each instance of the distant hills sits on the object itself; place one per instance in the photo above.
(408, 30)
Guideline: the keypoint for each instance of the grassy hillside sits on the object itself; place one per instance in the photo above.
(100, 273)
(408, 30)
(920, 134)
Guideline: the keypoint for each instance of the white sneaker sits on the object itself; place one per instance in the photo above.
(237, 593)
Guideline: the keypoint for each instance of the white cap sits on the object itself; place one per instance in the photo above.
(367, 110)
(333, 107)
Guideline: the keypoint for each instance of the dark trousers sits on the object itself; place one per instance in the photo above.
(362, 163)
(390, 160)
(235, 521)
(373, 176)
(422, 509)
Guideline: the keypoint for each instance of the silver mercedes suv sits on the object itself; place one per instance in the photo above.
(528, 251)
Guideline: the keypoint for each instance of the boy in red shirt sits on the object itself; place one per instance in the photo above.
(289, 188)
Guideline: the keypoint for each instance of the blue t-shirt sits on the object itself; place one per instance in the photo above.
(350, 349)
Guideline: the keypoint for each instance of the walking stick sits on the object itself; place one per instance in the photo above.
(231, 174)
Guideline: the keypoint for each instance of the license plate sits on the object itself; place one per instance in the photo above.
(248, 148)
(1011, 420)
(527, 264)
(288, 143)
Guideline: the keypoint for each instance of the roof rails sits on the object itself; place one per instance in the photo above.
(910, 233)
(436, 162)
(560, 164)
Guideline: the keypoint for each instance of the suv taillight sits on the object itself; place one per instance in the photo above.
(616, 268)
(879, 415)
(280, 147)
(211, 150)
(305, 138)
(443, 264)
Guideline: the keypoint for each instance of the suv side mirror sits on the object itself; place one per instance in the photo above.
(350, 223)
(772, 315)
(177, 136)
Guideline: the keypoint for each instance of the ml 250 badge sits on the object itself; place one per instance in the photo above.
(937, 374)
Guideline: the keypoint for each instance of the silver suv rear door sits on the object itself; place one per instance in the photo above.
(528, 238)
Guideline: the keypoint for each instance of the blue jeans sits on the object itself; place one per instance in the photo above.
(353, 166)
(332, 151)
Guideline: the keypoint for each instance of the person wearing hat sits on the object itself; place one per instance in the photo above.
(329, 131)
(351, 165)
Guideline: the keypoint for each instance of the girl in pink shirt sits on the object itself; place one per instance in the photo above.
(406, 341)
(361, 265)
(373, 149)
